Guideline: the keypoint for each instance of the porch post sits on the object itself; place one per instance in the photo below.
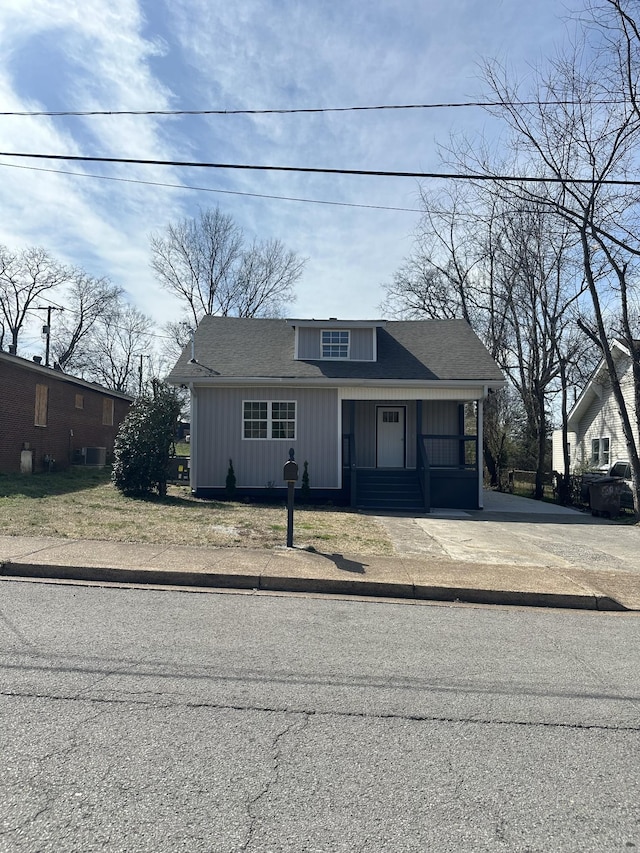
(193, 441)
(461, 431)
(479, 452)
(353, 475)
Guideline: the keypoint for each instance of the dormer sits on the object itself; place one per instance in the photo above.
(336, 340)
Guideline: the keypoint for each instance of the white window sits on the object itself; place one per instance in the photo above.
(335, 343)
(269, 419)
(600, 451)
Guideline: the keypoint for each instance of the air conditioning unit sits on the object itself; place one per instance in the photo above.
(96, 456)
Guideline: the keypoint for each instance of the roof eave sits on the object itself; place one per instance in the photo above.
(324, 381)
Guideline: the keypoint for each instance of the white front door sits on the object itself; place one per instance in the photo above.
(390, 440)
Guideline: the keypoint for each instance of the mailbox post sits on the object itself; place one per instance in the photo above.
(290, 476)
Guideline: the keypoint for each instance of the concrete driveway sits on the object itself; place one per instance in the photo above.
(520, 532)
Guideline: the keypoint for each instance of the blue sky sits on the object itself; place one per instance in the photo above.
(245, 54)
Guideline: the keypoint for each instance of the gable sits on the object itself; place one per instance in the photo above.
(597, 386)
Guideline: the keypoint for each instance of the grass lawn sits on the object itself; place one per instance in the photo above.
(82, 504)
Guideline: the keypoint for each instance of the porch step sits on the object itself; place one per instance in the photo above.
(389, 488)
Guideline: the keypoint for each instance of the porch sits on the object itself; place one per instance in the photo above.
(412, 455)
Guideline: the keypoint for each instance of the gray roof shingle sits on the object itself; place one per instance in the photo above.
(424, 350)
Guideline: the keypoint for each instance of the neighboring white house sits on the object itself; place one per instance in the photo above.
(595, 436)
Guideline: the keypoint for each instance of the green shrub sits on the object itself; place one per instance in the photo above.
(144, 444)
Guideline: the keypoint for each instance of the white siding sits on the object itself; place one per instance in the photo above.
(389, 393)
(557, 461)
(602, 420)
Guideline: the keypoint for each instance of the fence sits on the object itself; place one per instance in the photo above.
(524, 482)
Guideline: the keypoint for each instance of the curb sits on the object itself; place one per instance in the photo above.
(321, 586)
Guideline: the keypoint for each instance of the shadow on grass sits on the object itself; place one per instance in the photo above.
(186, 501)
(42, 485)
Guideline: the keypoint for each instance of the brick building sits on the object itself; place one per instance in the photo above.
(49, 419)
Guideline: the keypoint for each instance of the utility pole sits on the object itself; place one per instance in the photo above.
(142, 355)
(46, 330)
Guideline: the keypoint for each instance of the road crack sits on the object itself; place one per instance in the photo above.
(297, 725)
(135, 703)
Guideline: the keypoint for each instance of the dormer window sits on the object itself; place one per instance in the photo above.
(335, 343)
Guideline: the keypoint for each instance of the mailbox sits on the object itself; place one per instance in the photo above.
(290, 474)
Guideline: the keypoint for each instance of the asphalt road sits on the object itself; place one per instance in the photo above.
(141, 720)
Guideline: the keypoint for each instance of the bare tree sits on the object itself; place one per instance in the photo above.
(178, 334)
(504, 267)
(113, 349)
(584, 124)
(24, 277)
(87, 300)
(441, 277)
(264, 280)
(207, 264)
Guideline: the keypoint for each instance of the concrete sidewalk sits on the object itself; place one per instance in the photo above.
(440, 557)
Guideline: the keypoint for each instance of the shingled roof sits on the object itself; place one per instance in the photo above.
(418, 350)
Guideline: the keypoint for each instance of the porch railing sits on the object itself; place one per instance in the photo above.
(452, 451)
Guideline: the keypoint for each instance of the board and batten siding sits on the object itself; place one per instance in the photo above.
(258, 463)
(360, 349)
(441, 417)
(438, 417)
(365, 413)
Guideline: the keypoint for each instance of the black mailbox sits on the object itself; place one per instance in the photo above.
(290, 474)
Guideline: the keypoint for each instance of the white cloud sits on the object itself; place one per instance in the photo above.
(253, 54)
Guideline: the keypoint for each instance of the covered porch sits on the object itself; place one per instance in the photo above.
(413, 454)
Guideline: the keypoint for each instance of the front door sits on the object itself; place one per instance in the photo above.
(390, 437)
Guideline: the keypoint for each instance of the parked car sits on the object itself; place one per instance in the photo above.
(620, 470)
(623, 470)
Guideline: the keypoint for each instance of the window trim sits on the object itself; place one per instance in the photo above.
(324, 332)
(270, 420)
(600, 456)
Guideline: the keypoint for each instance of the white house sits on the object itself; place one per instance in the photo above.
(594, 425)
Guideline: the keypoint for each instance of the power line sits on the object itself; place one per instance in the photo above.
(154, 334)
(303, 110)
(213, 190)
(376, 173)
